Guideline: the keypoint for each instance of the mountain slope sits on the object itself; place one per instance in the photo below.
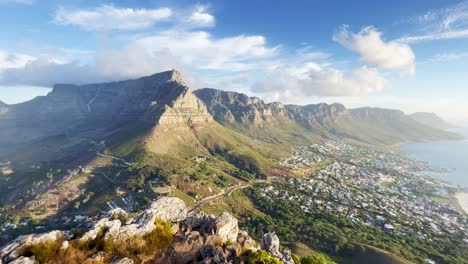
(431, 119)
(315, 122)
(385, 126)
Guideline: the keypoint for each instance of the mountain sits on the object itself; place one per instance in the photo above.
(316, 121)
(391, 127)
(431, 119)
(159, 99)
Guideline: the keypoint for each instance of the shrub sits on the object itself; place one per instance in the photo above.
(261, 257)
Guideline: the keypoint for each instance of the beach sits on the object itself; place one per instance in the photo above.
(462, 198)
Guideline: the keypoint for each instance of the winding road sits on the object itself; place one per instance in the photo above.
(228, 193)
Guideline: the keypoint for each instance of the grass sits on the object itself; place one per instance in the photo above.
(136, 248)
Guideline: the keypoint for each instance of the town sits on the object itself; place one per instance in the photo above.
(374, 188)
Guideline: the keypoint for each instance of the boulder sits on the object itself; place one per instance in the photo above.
(167, 209)
(271, 243)
(213, 255)
(246, 241)
(13, 250)
(110, 227)
(226, 226)
(186, 248)
(199, 221)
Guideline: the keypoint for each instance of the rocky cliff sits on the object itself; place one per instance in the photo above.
(161, 98)
(164, 233)
(231, 107)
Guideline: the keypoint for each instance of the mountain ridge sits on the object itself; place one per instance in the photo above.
(431, 119)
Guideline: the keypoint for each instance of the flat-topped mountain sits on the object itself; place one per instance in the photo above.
(159, 98)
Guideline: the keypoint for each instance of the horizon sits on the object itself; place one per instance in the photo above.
(349, 53)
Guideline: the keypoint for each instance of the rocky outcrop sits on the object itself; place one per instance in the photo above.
(210, 239)
(14, 250)
(166, 209)
(271, 244)
(199, 238)
(226, 227)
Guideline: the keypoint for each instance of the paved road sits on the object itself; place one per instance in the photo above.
(227, 193)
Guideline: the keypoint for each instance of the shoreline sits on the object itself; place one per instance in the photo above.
(462, 199)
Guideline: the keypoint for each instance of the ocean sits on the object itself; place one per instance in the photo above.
(451, 155)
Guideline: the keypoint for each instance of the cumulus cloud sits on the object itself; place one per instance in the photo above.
(441, 24)
(368, 43)
(187, 51)
(109, 17)
(202, 51)
(13, 60)
(311, 79)
(201, 18)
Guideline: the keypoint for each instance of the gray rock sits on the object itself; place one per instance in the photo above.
(111, 227)
(13, 250)
(186, 248)
(226, 226)
(167, 209)
(116, 212)
(271, 243)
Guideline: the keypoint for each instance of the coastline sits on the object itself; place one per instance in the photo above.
(462, 199)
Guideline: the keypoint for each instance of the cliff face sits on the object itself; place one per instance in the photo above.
(232, 107)
(324, 115)
(161, 98)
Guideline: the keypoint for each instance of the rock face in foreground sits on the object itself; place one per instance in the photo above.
(198, 238)
(13, 251)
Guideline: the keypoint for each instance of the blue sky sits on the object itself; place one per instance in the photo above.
(410, 55)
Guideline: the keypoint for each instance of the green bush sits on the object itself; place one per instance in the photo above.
(261, 257)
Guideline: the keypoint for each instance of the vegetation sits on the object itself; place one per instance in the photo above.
(261, 257)
(342, 238)
(136, 248)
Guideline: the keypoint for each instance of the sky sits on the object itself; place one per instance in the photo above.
(399, 54)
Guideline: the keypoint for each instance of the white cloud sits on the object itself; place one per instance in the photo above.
(368, 43)
(294, 84)
(201, 18)
(202, 51)
(441, 24)
(109, 17)
(185, 50)
(13, 60)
